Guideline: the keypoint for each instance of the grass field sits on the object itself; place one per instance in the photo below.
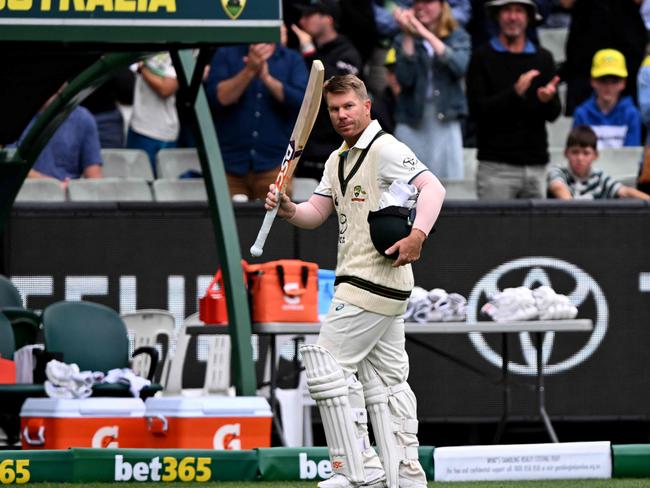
(613, 483)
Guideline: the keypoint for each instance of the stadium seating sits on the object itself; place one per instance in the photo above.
(185, 190)
(109, 190)
(555, 41)
(469, 162)
(460, 189)
(558, 131)
(303, 188)
(126, 163)
(622, 162)
(25, 323)
(95, 338)
(153, 328)
(173, 163)
(41, 190)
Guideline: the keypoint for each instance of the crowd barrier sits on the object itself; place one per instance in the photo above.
(135, 256)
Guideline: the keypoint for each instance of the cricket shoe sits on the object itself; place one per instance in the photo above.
(553, 306)
(409, 483)
(375, 478)
(512, 304)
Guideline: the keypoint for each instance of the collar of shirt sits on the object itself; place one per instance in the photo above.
(497, 45)
(368, 134)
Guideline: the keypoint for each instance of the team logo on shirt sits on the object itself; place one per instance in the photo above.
(359, 194)
(410, 163)
(233, 8)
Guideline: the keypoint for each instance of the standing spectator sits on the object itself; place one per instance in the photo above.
(643, 95)
(154, 123)
(512, 93)
(384, 104)
(615, 120)
(73, 150)
(255, 92)
(102, 103)
(432, 56)
(319, 39)
(595, 25)
(580, 180)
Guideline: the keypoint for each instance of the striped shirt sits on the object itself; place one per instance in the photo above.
(596, 186)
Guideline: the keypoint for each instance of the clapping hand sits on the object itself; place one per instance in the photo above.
(547, 92)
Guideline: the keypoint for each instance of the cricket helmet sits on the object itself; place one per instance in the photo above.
(389, 225)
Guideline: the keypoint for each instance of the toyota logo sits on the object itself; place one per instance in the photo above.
(537, 275)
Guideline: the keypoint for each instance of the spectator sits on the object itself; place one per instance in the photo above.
(580, 180)
(384, 105)
(512, 93)
(643, 87)
(255, 92)
(73, 150)
(432, 56)
(319, 39)
(102, 103)
(154, 122)
(615, 120)
(595, 25)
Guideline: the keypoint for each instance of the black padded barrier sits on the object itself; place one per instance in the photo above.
(597, 251)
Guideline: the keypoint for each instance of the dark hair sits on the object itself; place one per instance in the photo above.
(345, 83)
(583, 136)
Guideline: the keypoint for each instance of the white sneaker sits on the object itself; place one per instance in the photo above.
(375, 478)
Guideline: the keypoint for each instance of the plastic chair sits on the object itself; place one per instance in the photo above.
(558, 131)
(109, 190)
(554, 40)
(25, 323)
(186, 190)
(217, 374)
(619, 162)
(172, 163)
(95, 338)
(469, 163)
(147, 327)
(41, 190)
(126, 163)
(303, 188)
(12, 396)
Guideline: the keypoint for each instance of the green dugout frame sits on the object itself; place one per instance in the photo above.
(126, 31)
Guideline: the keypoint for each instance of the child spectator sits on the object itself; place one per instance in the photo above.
(579, 180)
(615, 119)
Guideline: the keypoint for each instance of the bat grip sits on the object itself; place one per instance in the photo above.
(258, 247)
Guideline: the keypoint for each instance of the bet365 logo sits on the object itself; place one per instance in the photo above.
(309, 469)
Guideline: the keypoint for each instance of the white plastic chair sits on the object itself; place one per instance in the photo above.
(171, 163)
(470, 163)
(109, 190)
(126, 163)
(186, 190)
(41, 190)
(460, 189)
(558, 131)
(217, 374)
(146, 327)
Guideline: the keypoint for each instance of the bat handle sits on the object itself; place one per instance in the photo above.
(258, 247)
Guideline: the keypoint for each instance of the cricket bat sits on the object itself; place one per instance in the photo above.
(301, 130)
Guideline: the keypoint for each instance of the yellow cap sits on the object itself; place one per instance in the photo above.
(608, 62)
(390, 57)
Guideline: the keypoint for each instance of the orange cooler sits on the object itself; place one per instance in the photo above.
(51, 423)
(209, 422)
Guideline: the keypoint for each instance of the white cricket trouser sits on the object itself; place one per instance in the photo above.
(352, 334)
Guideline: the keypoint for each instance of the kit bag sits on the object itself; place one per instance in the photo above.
(284, 291)
(212, 306)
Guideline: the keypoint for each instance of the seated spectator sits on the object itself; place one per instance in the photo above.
(615, 119)
(154, 122)
(432, 56)
(255, 92)
(580, 180)
(73, 150)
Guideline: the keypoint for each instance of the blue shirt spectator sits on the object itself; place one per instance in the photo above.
(73, 151)
(254, 131)
(619, 127)
(387, 26)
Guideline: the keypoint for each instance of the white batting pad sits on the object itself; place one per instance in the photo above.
(328, 387)
(384, 425)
